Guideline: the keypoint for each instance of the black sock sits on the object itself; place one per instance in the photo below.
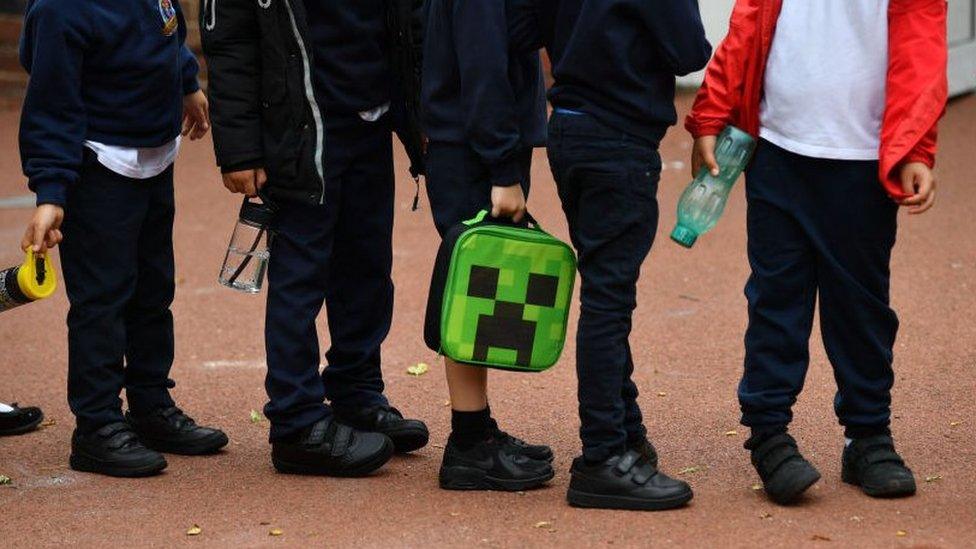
(761, 434)
(470, 428)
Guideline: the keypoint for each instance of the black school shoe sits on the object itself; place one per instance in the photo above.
(407, 435)
(784, 472)
(114, 450)
(20, 420)
(873, 464)
(171, 431)
(493, 464)
(538, 452)
(646, 450)
(333, 449)
(625, 481)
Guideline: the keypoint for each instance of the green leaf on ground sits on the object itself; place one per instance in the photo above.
(5, 480)
(256, 417)
(692, 470)
(418, 369)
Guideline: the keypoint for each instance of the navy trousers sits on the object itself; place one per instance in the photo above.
(818, 229)
(459, 185)
(117, 259)
(607, 182)
(339, 253)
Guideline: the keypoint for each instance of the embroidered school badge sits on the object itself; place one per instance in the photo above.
(168, 12)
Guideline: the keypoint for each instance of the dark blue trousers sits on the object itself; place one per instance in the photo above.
(818, 229)
(459, 185)
(339, 253)
(607, 183)
(117, 259)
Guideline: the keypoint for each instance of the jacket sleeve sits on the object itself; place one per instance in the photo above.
(53, 124)
(721, 94)
(678, 34)
(481, 39)
(188, 61)
(231, 44)
(917, 87)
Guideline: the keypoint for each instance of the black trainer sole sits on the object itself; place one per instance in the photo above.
(890, 491)
(87, 464)
(577, 498)
(791, 490)
(360, 470)
(204, 446)
(23, 429)
(408, 440)
(471, 478)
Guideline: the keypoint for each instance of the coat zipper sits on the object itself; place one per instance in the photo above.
(312, 103)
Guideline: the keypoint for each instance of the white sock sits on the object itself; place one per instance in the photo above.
(848, 441)
(4, 409)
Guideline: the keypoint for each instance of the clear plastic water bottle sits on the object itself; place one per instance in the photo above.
(32, 280)
(702, 203)
(249, 249)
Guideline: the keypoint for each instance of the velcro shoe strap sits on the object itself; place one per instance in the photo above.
(643, 473)
(882, 455)
(341, 440)
(773, 453)
(627, 462)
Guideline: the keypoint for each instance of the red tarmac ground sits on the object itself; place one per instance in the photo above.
(688, 345)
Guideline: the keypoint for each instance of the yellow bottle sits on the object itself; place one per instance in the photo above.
(32, 280)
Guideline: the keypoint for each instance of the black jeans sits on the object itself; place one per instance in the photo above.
(117, 259)
(818, 228)
(339, 253)
(607, 183)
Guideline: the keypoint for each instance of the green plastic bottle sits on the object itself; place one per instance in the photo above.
(702, 203)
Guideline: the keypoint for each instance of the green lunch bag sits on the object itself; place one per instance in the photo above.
(500, 295)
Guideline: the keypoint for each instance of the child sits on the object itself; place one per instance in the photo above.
(109, 87)
(484, 108)
(614, 64)
(845, 91)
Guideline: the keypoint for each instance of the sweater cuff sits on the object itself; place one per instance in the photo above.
(244, 165)
(51, 192)
(505, 173)
(190, 86)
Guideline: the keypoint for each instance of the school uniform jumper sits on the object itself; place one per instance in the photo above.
(339, 252)
(820, 227)
(483, 100)
(614, 63)
(113, 75)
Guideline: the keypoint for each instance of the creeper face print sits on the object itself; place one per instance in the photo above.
(510, 303)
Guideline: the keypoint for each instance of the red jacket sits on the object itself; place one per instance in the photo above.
(917, 87)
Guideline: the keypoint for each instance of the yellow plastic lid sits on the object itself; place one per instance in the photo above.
(36, 276)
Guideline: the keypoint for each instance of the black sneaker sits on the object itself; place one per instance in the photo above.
(625, 481)
(538, 452)
(493, 464)
(647, 451)
(20, 420)
(114, 450)
(784, 472)
(171, 431)
(873, 464)
(407, 434)
(333, 449)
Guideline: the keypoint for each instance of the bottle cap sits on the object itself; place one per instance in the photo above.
(257, 213)
(684, 236)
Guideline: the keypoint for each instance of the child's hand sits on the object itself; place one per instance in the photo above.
(703, 154)
(917, 180)
(196, 115)
(508, 202)
(44, 230)
(247, 182)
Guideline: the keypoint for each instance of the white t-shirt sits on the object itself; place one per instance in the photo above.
(136, 163)
(825, 78)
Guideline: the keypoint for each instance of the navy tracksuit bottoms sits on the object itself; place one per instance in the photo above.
(818, 230)
(117, 259)
(339, 253)
(607, 182)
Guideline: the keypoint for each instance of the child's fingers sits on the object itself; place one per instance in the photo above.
(40, 233)
(260, 178)
(925, 205)
(28, 239)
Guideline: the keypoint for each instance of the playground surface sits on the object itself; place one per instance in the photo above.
(688, 348)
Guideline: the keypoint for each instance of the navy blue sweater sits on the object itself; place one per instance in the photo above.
(482, 81)
(616, 59)
(351, 54)
(100, 70)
